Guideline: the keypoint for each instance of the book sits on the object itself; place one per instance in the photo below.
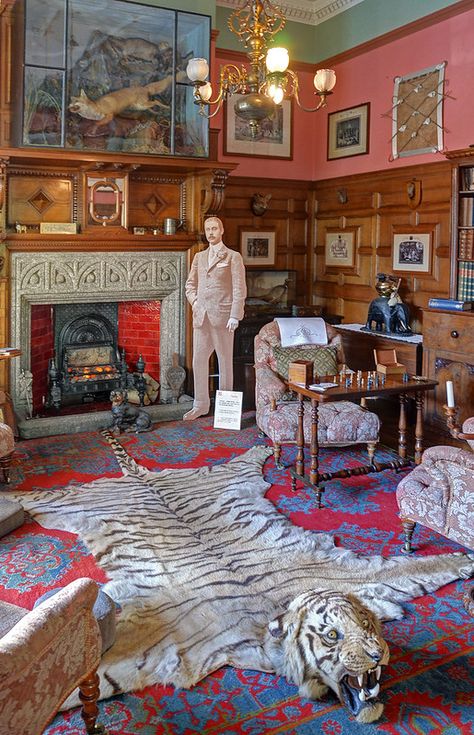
(322, 386)
(450, 304)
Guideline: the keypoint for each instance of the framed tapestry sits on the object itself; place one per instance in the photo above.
(348, 132)
(417, 112)
(275, 137)
(110, 75)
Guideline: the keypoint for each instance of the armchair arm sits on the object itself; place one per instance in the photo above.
(45, 656)
(269, 387)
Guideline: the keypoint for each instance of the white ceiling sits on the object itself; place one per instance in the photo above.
(311, 12)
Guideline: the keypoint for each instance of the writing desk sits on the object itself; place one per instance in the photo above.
(394, 385)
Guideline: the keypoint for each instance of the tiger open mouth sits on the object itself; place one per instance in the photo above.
(359, 691)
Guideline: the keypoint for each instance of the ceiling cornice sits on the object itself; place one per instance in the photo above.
(311, 12)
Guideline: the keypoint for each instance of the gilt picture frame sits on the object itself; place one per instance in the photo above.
(275, 138)
(258, 247)
(348, 132)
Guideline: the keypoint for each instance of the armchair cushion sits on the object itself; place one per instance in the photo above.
(323, 359)
(339, 423)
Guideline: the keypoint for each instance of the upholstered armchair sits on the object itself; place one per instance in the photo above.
(341, 423)
(439, 492)
(45, 654)
(7, 446)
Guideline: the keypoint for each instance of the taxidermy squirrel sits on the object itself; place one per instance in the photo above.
(104, 109)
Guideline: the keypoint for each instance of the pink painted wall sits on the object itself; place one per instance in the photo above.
(369, 78)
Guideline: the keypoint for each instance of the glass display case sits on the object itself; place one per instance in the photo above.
(110, 75)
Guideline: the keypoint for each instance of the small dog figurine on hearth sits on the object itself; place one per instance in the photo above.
(126, 417)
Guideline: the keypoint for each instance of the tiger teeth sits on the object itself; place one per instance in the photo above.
(378, 671)
(360, 680)
(374, 692)
(362, 696)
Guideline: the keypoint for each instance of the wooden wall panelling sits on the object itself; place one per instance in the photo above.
(379, 204)
(288, 213)
(35, 199)
(154, 198)
(5, 71)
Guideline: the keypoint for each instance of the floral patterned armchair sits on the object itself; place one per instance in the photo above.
(439, 492)
(341, 423)
(45, 654)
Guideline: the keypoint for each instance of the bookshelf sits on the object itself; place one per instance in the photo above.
(462, 251)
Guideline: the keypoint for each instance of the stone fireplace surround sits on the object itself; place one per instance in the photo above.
(85, 277)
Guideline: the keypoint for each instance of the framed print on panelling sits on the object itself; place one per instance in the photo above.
(275, 139)
(340, 249)
(412, 252)
(257, 247)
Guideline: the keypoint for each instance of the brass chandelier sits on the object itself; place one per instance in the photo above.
(267, 82)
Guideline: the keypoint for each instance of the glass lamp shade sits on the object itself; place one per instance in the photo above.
(276, 93)
(324, 80)
(277, 60)
(205, 92)
(197, 70)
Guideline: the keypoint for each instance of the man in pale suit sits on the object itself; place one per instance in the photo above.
(216, 290)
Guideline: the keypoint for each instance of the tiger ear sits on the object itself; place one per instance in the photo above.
(275, 627)
(284, 625)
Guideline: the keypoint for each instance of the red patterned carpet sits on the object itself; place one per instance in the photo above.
(428, 686)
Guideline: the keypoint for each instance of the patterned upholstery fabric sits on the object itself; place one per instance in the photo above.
(324, 359)
(7, 442)
(45, 656)
(439, 492)
(340, 423)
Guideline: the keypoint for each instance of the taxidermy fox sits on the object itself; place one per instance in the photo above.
(106, 107)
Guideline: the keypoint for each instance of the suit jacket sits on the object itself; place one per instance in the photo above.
(219, 290)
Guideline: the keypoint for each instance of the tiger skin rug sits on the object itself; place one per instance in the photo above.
(200, 563)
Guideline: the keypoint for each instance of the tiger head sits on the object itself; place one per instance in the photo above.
(330, 640)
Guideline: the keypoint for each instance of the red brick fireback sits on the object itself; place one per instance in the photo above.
(139, 334)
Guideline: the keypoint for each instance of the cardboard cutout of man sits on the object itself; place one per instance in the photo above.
(216, 290)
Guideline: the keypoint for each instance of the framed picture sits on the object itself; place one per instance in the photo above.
(339, 249)
(258, 247)
(417, 112)
(348, 132)
(275, 138)
(412, 252)
(110, 75)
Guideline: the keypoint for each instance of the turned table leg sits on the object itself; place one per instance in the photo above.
(300, 438)
(420, 399)
(402, 427)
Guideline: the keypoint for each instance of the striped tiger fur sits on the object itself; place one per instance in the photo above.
(199, 562)
(329, 640)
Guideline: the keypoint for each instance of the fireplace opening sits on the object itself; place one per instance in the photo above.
(81, 352)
